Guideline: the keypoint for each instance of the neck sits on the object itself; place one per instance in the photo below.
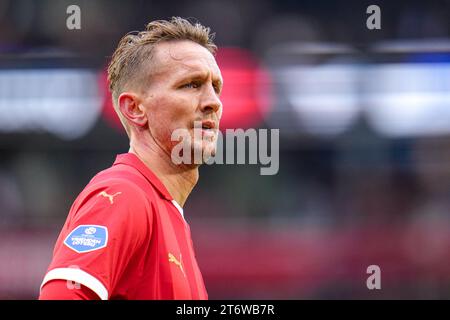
(179, 180)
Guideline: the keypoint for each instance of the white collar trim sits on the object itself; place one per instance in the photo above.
(179, 208)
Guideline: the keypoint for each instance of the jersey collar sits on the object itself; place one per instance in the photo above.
(132, 160)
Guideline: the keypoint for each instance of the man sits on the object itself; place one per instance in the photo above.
(125, 236)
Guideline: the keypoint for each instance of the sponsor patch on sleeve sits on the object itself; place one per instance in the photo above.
(86, 238)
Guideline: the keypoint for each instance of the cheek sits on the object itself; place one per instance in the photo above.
(169, 113)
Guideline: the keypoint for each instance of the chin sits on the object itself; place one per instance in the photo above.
(201, 152)
(208, 153)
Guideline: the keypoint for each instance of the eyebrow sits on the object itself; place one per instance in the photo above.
(197, 75)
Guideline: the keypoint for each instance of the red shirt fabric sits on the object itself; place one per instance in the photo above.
(126, 238)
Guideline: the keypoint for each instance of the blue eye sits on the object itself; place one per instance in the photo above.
(192, 85)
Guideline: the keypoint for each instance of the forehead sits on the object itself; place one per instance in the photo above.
(175, 58)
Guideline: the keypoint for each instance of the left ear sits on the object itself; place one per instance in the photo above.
(132, 109)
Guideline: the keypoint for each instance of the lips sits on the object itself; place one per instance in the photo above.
(208, 124)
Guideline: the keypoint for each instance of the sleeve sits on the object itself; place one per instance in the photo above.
(101, 234)
(64, 290)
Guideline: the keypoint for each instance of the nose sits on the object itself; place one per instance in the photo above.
(210, 101)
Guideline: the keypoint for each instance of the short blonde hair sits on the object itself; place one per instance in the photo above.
(135, 50)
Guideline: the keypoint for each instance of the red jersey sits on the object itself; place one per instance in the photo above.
(126, 238)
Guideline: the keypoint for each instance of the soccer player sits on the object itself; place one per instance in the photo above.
(125, 236)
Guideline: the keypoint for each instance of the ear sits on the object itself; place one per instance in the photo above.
(132, 109)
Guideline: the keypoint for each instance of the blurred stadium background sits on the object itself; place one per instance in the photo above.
(364, 119)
